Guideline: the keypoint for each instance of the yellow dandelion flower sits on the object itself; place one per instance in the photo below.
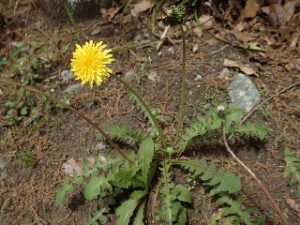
(89, 63)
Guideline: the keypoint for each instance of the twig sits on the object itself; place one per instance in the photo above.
(268, 99)
(259, 182)
(58, 101)
(218, 50)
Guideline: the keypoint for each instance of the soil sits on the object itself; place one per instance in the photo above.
(34, 150)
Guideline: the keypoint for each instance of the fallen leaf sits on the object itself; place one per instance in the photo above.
(240, 26)
(207, 21)
(294, 40)
(211, 41)
(153, 76)
(195, 48)
(111, 13)
(198, 31)
(142, 6)
(70, 166)
(245, 37)
(224, 74)
(247, 69)
(100, 146)
(251, 8)
(285, 13)
(293, 205)
(293, 64)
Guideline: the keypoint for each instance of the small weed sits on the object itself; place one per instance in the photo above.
(16, 111)
(209, 97)
(265, 112)
(26, 63)
(27, 158)
(292, 171)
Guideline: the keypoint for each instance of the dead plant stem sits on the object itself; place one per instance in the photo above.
(259, 182)
(58, 101)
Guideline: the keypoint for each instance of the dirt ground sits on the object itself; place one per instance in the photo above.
(35, 149)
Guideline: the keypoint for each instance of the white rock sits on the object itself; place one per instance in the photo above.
(243, 92)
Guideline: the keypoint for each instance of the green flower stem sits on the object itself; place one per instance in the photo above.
(182, 88)
(139, 97)
(58, 101)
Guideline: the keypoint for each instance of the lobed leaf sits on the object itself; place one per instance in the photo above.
(125, 211)
(66, 189)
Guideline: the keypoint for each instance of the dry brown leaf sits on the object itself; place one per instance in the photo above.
(245, 68)
(285, 13)
(142, 6)
(111, 13)
(293, 205)
(241, 26)
(294, 40)
(293, 64)
(224, 74)
(245, 37)
(70, 166)
(251, 8)
(207, 21)
(198, 31)
(211, 41)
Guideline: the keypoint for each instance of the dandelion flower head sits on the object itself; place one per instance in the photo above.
(89, 63)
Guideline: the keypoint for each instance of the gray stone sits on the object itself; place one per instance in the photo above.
(130, 75)
(2, 163)
(243, 92)
(66, 75)
(74, 88)
(198, 77)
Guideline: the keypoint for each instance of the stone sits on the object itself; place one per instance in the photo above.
(66, 75)
(74, 88)
(130, 75)
(2, 163)
(243, 93)
(198, 77)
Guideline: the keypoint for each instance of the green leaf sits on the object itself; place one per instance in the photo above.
(146, 150)
(230, 183)
(98, 216)
(95, 187)
(24, 111)
(125, 211)
(139, 219)
(137, 194)
(66, 189)
(182, 193)
(251, 129)
(291, 170)
(126, 133)
(179, 216)
(209, 173)
(146, 153)
(234, 208)
(124, 177)
(234, 114)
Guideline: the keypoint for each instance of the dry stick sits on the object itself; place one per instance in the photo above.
(268, 99)
(58, 101)
(259, 182)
